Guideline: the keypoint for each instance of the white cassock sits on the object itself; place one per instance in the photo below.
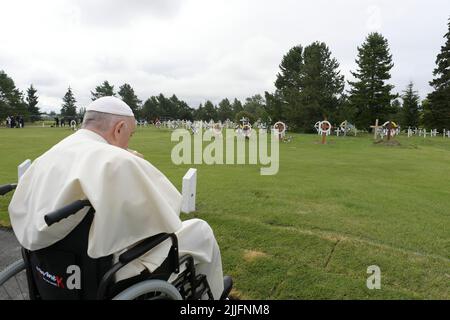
(132, 199)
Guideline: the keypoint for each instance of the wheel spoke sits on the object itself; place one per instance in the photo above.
(20, 288)
(7, 293)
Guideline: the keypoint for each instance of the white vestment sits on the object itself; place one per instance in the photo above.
(132, 200)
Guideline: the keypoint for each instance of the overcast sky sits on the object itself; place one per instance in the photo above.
(203, 49)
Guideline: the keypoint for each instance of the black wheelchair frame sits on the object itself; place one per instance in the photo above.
(98, 275)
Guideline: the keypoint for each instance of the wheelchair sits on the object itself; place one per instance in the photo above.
(64, 271)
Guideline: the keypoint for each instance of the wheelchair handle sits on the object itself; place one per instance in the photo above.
(7, 188)
(65, 212)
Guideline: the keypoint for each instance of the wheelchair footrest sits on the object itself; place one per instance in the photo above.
(192, 286)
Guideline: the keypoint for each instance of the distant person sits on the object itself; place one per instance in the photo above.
(13, 121)
(56, 122)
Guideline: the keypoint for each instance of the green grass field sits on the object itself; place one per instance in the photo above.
(311, 231)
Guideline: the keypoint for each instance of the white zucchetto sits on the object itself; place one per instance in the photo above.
(110, 105)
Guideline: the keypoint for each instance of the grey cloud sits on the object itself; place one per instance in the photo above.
(120, 13)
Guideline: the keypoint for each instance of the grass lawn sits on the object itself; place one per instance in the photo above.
(311, 231)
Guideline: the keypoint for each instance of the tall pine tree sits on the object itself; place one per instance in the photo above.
(370, 95)
(104, 90)
(236, 106)
(210, 111)
(32, 101)
(68, 108)
(126, 93)
(225, 110)
(151, 110)
(199, 113)
(309, 85)
(438, 108)
(274, 107)
(322, 85)
(411, 107)
(289, 84)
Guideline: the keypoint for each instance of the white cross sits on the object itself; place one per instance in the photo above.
(375, 130)
(409, 132)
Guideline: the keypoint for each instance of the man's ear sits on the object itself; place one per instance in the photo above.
(119, 126)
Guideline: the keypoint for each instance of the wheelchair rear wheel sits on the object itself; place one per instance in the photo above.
(13, 282)
(150, 290)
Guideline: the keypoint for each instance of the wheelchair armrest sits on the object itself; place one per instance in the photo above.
(7, 188)
(64, 212)
(145, 246)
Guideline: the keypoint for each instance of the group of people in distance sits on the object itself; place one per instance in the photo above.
(15, 122)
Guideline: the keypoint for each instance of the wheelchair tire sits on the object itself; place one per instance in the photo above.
(13, 282)
(147, 287)
(11, 271)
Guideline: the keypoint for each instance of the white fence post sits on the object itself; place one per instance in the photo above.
(189, 191)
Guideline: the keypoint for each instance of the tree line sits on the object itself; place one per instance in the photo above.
(308, 87)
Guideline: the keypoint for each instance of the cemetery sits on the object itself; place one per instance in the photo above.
(311, 230)
(225, 150)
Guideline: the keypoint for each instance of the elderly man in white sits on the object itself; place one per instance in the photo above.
(132, 199)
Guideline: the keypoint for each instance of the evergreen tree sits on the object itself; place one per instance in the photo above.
(274, 107)
(289, 84)
(427, 116)
(126, 93)
(291, 67)
(370, 94)
(256, 105)
(11, 99)
(439, 99)
(252, 104)
(184, 111)
(309, 86)
(165, 107)
(225, 110)
(210, 111)
(245, 115)
(322, 85)
(236, 106)
(32, 101)
(410, 108)
(396, 113)
(151, 110)
(68, 108)
(104, 90)
(174, 106)
(199, 113)
(345, 110)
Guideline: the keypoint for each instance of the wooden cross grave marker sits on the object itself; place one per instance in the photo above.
(325, 128)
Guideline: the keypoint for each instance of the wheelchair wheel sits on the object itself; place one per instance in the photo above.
(13, 282)
(150, 290)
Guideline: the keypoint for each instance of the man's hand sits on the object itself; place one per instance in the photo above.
(136, 153)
